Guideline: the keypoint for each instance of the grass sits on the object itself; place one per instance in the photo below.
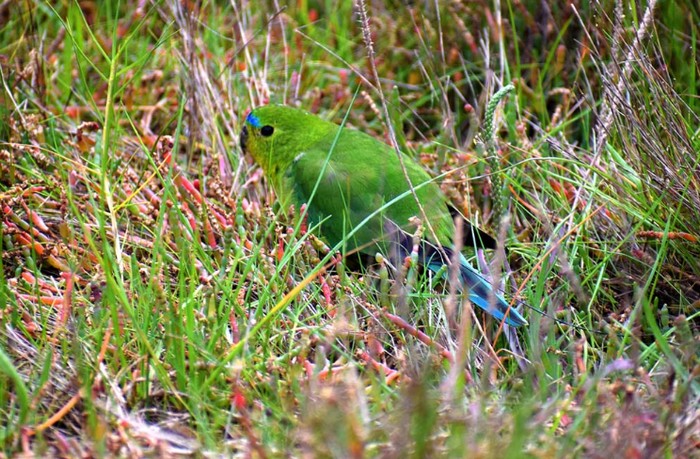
(154, 301)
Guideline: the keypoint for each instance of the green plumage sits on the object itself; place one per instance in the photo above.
(344, 176)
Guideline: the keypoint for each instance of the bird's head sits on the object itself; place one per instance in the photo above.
(275, 134)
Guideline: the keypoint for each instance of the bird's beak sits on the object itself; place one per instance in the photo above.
(244, 138)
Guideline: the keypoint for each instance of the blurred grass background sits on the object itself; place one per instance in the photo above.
(155, 302)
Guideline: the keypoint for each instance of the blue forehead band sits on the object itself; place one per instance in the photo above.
(252, 120)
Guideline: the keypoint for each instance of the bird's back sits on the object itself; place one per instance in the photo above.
(360, 175)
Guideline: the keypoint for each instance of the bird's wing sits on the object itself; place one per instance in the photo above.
(473, 236)
(356, 183)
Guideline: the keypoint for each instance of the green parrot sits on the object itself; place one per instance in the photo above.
(355, 187)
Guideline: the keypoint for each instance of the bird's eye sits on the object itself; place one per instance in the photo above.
(267, 131)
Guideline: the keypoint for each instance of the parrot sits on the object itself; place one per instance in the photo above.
(356, 188)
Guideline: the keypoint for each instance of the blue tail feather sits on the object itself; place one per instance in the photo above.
(482, 295)
(435, 257)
